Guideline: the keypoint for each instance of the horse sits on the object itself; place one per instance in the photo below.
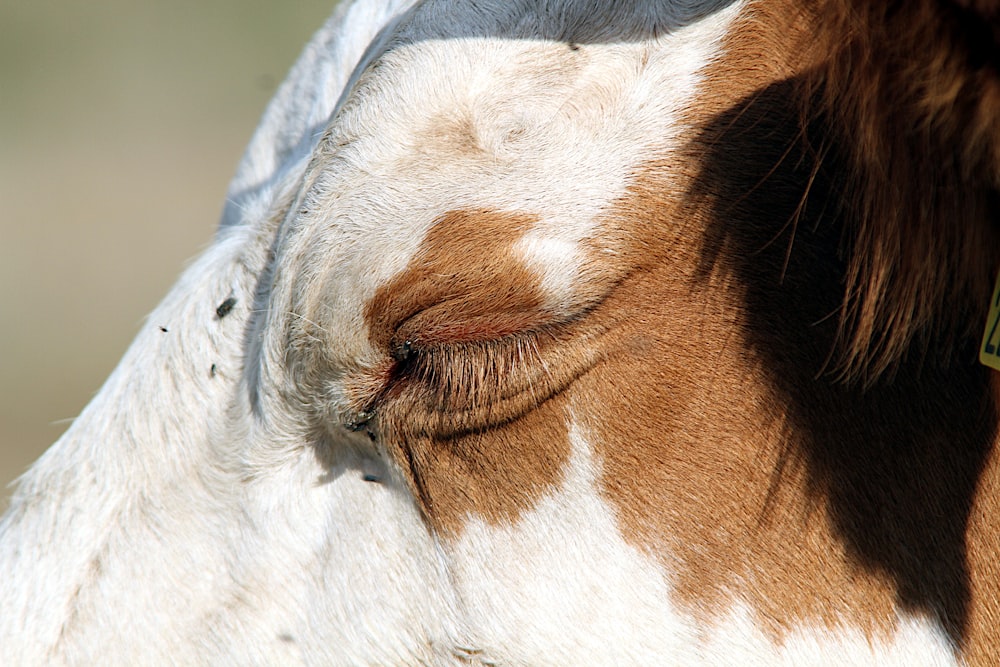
(559, 332)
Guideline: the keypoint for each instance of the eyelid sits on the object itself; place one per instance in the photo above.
(446, 390)
(461, 372)
(441, 325)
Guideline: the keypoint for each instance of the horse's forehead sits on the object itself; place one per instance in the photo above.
(443, 140)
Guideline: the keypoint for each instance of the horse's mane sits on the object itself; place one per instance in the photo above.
(911, 95)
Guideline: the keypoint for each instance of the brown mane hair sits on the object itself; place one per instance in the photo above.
(911, 93)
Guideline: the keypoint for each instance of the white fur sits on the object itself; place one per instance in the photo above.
(562, 587)
(918, 642)
(208, 507)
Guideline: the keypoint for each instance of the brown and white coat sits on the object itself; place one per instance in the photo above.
(560, 332)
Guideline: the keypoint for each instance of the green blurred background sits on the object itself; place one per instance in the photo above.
(121, 123)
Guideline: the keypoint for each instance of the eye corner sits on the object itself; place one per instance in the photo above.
(403, 351)
(359, 420)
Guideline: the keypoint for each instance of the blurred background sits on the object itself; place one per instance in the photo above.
(121, 122)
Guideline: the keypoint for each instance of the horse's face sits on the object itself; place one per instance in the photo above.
(459, 257)
(504, 353)
(459, 329)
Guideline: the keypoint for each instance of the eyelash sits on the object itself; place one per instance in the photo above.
(468, 375)
(448, 390)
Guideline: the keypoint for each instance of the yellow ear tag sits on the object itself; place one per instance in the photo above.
(989, 349)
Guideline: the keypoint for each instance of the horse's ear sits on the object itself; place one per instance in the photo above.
(301, 108)
(911, 92)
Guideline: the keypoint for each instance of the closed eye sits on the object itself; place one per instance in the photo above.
(475, 374)
(446, 390)
(471, 336)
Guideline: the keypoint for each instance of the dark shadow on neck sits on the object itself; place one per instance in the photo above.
(898, 462)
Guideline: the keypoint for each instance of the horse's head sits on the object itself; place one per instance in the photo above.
(548, 333)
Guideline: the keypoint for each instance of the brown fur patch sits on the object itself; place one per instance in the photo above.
(982, 639)
(754, 475)
(468, 401)
(756, 480)
(446, 296)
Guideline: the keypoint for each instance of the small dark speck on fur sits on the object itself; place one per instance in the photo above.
(225, 307)
(163, 329)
